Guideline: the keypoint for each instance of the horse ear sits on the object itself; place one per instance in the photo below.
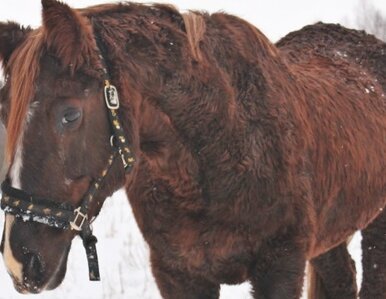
(11, 36)
(67, 33)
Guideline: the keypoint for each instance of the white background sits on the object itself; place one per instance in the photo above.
(123, 256)
(273, 17)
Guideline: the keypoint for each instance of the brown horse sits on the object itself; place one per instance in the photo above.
(249, 159)
(333, 273)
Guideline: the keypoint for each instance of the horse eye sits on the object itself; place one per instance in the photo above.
(70, 116)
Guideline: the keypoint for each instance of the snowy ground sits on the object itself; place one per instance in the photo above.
(123, 259)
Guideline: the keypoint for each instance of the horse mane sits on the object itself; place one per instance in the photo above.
(195, 28)
(194, 22)
(24, 64)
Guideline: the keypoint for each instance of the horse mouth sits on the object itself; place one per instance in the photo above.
(38, 285)
(26, 287)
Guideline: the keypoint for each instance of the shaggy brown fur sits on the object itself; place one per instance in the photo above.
(357, 47)
(251, 157)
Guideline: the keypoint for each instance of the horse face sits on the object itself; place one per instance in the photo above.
(63, 147)
(62, 141)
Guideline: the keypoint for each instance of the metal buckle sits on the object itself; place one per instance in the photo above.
(121, 154)
(123, 158)
(79, 217)
(112, 140)
(111, 97)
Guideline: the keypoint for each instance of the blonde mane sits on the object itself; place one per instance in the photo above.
(195, 29)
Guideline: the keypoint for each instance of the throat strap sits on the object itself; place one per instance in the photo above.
(112, 101)
(89, 243)
(118, 138)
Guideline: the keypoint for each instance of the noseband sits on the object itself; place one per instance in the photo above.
(63, 215)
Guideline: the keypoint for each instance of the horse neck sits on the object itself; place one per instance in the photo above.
(197, 115)
(155, 61)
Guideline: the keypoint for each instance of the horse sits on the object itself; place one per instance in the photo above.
(241, 159)
(332, 275)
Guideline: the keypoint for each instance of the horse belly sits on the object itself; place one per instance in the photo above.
(222, 256)
(229, 265)
(343, 219)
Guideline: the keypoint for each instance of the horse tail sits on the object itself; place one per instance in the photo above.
(315, 290)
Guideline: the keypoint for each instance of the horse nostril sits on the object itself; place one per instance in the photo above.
(2, 246)
(2, 242)
(33, 268)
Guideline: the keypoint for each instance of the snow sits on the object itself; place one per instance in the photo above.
(123, 258)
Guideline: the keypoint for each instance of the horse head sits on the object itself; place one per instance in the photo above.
(58, 137)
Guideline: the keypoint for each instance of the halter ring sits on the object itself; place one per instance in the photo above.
(79, 218)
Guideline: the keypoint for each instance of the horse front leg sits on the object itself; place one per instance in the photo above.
(279, 274)
(175, 284)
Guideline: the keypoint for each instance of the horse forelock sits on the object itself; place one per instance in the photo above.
(24, 69)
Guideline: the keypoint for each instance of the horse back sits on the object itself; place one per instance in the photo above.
(335, 41)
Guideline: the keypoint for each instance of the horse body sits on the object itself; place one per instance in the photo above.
(250, 159)
(329, 119)
(340, 113)
(333, 274)
(217, 224)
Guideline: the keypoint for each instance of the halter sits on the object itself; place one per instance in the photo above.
(62, 215)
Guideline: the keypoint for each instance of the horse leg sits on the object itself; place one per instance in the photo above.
(175, 284)
(279, 277)
(374, 259)
(333, 275)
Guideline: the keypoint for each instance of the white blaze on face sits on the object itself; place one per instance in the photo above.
(15, 268)
(2, 77)
(14, 173)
